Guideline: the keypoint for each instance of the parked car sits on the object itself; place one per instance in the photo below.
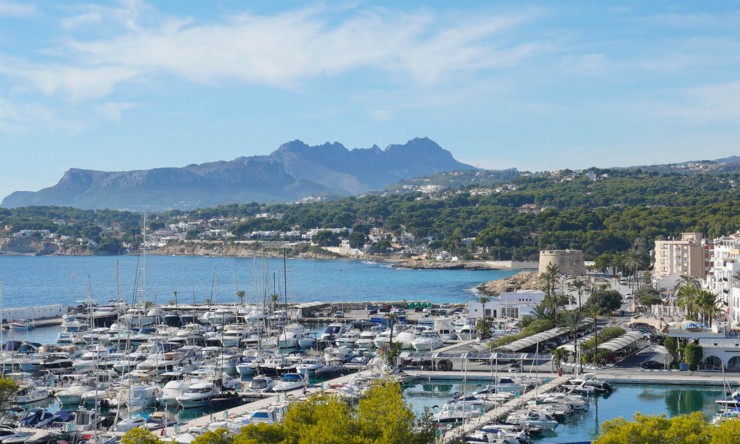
(652, 365)
(339, 314)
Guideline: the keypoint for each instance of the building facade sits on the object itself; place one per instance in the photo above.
(677, 257)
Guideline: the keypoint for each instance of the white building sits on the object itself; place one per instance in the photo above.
(508, 305)
(725, 260)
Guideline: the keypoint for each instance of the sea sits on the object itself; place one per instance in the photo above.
(42, 280)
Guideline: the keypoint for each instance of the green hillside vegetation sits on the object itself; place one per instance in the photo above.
(598, 211)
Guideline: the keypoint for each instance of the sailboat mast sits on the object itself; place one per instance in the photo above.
(285, 277)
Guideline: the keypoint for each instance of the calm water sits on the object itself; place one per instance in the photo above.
(44, 280)
(624, 401)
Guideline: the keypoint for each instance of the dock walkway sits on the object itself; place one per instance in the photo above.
(203, 421)
(502, 410)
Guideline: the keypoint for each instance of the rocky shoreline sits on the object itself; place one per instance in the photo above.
(526, 280)
(425, 264)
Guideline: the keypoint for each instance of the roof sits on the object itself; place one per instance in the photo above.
(623, 341)
(310, 305)
(540, 337)
(534, 339)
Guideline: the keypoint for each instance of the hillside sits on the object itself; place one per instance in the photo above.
(294, 171)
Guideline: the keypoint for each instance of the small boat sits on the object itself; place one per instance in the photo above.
(22, 324)
(532, 418)
(259, 384)
(28, 393)
(72, 394)
(289, 381)
(127, 424)
(453, 412)
(309, 365)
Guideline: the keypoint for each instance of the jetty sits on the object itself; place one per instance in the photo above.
(497, 413)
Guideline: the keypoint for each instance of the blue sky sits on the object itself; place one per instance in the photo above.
(124, 85)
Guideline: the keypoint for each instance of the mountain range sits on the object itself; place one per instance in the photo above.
(293, 171)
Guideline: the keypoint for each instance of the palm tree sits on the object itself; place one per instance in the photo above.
(684, 281)
(240, 294)
(483, 326)
(573, 321)
(578, 285)
(174, 293)
(484, 300)
(706, 305)
(595, 311)
(632, 263)
(548, 278)
(274, 299)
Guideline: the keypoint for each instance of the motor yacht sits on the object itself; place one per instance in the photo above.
(289, 381)
(427, 341)
(260, 384)
(198, 395)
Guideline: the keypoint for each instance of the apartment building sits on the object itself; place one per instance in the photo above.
(676, 257)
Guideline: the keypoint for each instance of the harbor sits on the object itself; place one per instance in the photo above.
(105, 366)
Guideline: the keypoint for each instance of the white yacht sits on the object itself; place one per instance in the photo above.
(260, 384)
(198, 395)
(72, 394)
(309, 365)
(348, 338)
(333, 331)
(289, 381)
(172, 390)
(532, 419)
(427, 341)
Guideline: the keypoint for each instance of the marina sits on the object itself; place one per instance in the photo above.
(111, 366)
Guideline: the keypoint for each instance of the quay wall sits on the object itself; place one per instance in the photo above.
(34, 313)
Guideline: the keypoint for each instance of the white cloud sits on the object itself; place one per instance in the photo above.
(286, 49)
(13, 9)
(84, 19)
(113, 111)
(19, 118)
(710, 103)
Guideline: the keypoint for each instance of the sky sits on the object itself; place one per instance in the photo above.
(535, 85)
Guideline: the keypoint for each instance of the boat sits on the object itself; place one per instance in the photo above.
(276, 366)
(172, 390)
(427, 341)
(142, 395)
(453, 412)
(366, 339)
(333, 331)
(127, 424)
(348, 338)
(249, 366)
(28, 393)
(405, 338)
(532, 418)
(22, 324)
(198, 395)
(259, 384)
(309, 365)
(72, 394)
(289, 381)
(732, 401)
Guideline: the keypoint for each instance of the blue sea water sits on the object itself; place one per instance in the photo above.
(31, 280)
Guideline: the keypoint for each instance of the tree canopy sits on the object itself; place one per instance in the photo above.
(380, 417)
(684, 429)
